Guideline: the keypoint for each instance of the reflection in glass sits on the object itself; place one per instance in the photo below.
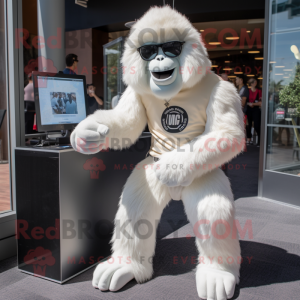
(283, 151)
(285, 15)
(112, 56)
(284, 81)
(5, 203)
(4, 164)
(283, 133)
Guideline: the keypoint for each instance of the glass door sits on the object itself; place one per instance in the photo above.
(5, 203)
(5, 199)
(113, 84)
(281, 176)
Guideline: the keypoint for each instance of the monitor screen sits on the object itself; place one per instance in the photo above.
(61, 100)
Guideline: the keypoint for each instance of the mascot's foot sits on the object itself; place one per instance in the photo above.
(111, 276)
(213, 284)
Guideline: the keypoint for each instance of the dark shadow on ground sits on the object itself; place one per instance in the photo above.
(261, 265)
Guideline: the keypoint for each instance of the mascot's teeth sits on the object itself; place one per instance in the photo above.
(163, 75)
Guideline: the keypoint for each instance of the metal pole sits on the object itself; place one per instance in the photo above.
(51, 30)
(265, 100)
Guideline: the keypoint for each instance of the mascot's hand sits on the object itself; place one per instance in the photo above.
(172, 171)
(89, 136)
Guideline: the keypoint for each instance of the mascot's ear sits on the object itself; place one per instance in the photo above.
(161, 24)
(194, 59)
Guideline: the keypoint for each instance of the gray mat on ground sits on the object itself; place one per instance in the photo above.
(273, 271)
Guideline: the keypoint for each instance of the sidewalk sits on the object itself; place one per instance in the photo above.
(4, 188)
(273, 271)
(270, 267)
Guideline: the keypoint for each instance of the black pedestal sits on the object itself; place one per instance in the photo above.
(66, 204)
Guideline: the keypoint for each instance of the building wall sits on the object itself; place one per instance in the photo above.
(30, 16)
(112, 15)
(79, 42)
(99, 39)
(88, 45)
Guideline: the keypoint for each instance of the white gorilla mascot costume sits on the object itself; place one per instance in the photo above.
(196, 123)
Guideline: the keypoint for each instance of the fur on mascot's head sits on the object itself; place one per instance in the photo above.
(160, 25)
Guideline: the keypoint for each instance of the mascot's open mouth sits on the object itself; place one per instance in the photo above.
(163, 74)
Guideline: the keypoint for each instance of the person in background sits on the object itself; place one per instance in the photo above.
(28, 90)
(61, 104)
(71, 105)
(243, 91)
(92, 99)
(71, 62)
(253, 110)
(64, 97)
(54, 104)
(224, 76)
(73, 96)
(29, 105)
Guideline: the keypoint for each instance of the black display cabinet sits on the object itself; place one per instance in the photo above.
(66, 204)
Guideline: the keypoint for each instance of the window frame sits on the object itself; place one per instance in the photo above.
(15, 117)
(272, 185)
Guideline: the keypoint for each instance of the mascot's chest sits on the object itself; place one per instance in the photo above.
(183, 115)
(183, 119)
(174, 125)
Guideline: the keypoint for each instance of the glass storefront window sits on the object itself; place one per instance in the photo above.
(113, 71)
(283, 119)
(234, 47)
(5, 203)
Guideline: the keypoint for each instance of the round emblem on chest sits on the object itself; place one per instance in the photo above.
(174, 119)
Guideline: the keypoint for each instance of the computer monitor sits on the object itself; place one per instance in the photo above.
(60, 100)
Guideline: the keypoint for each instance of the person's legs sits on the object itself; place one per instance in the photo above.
(245, 133)
(142, 202)
(209, 205)
(249, 126)
(29, 120)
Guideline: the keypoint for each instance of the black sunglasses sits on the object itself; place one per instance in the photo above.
(170, 49)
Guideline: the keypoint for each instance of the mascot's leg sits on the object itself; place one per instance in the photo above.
(141, 204)
(209, 206)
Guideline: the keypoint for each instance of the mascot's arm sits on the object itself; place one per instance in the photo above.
(222, 140)
(116, 128)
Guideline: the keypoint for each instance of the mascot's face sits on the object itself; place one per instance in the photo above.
(164, 77)
(163, 54)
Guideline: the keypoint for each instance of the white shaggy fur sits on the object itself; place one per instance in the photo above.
(125, 124)
(222, 140)
(163, 24)
(202, 186)
(144, 198)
